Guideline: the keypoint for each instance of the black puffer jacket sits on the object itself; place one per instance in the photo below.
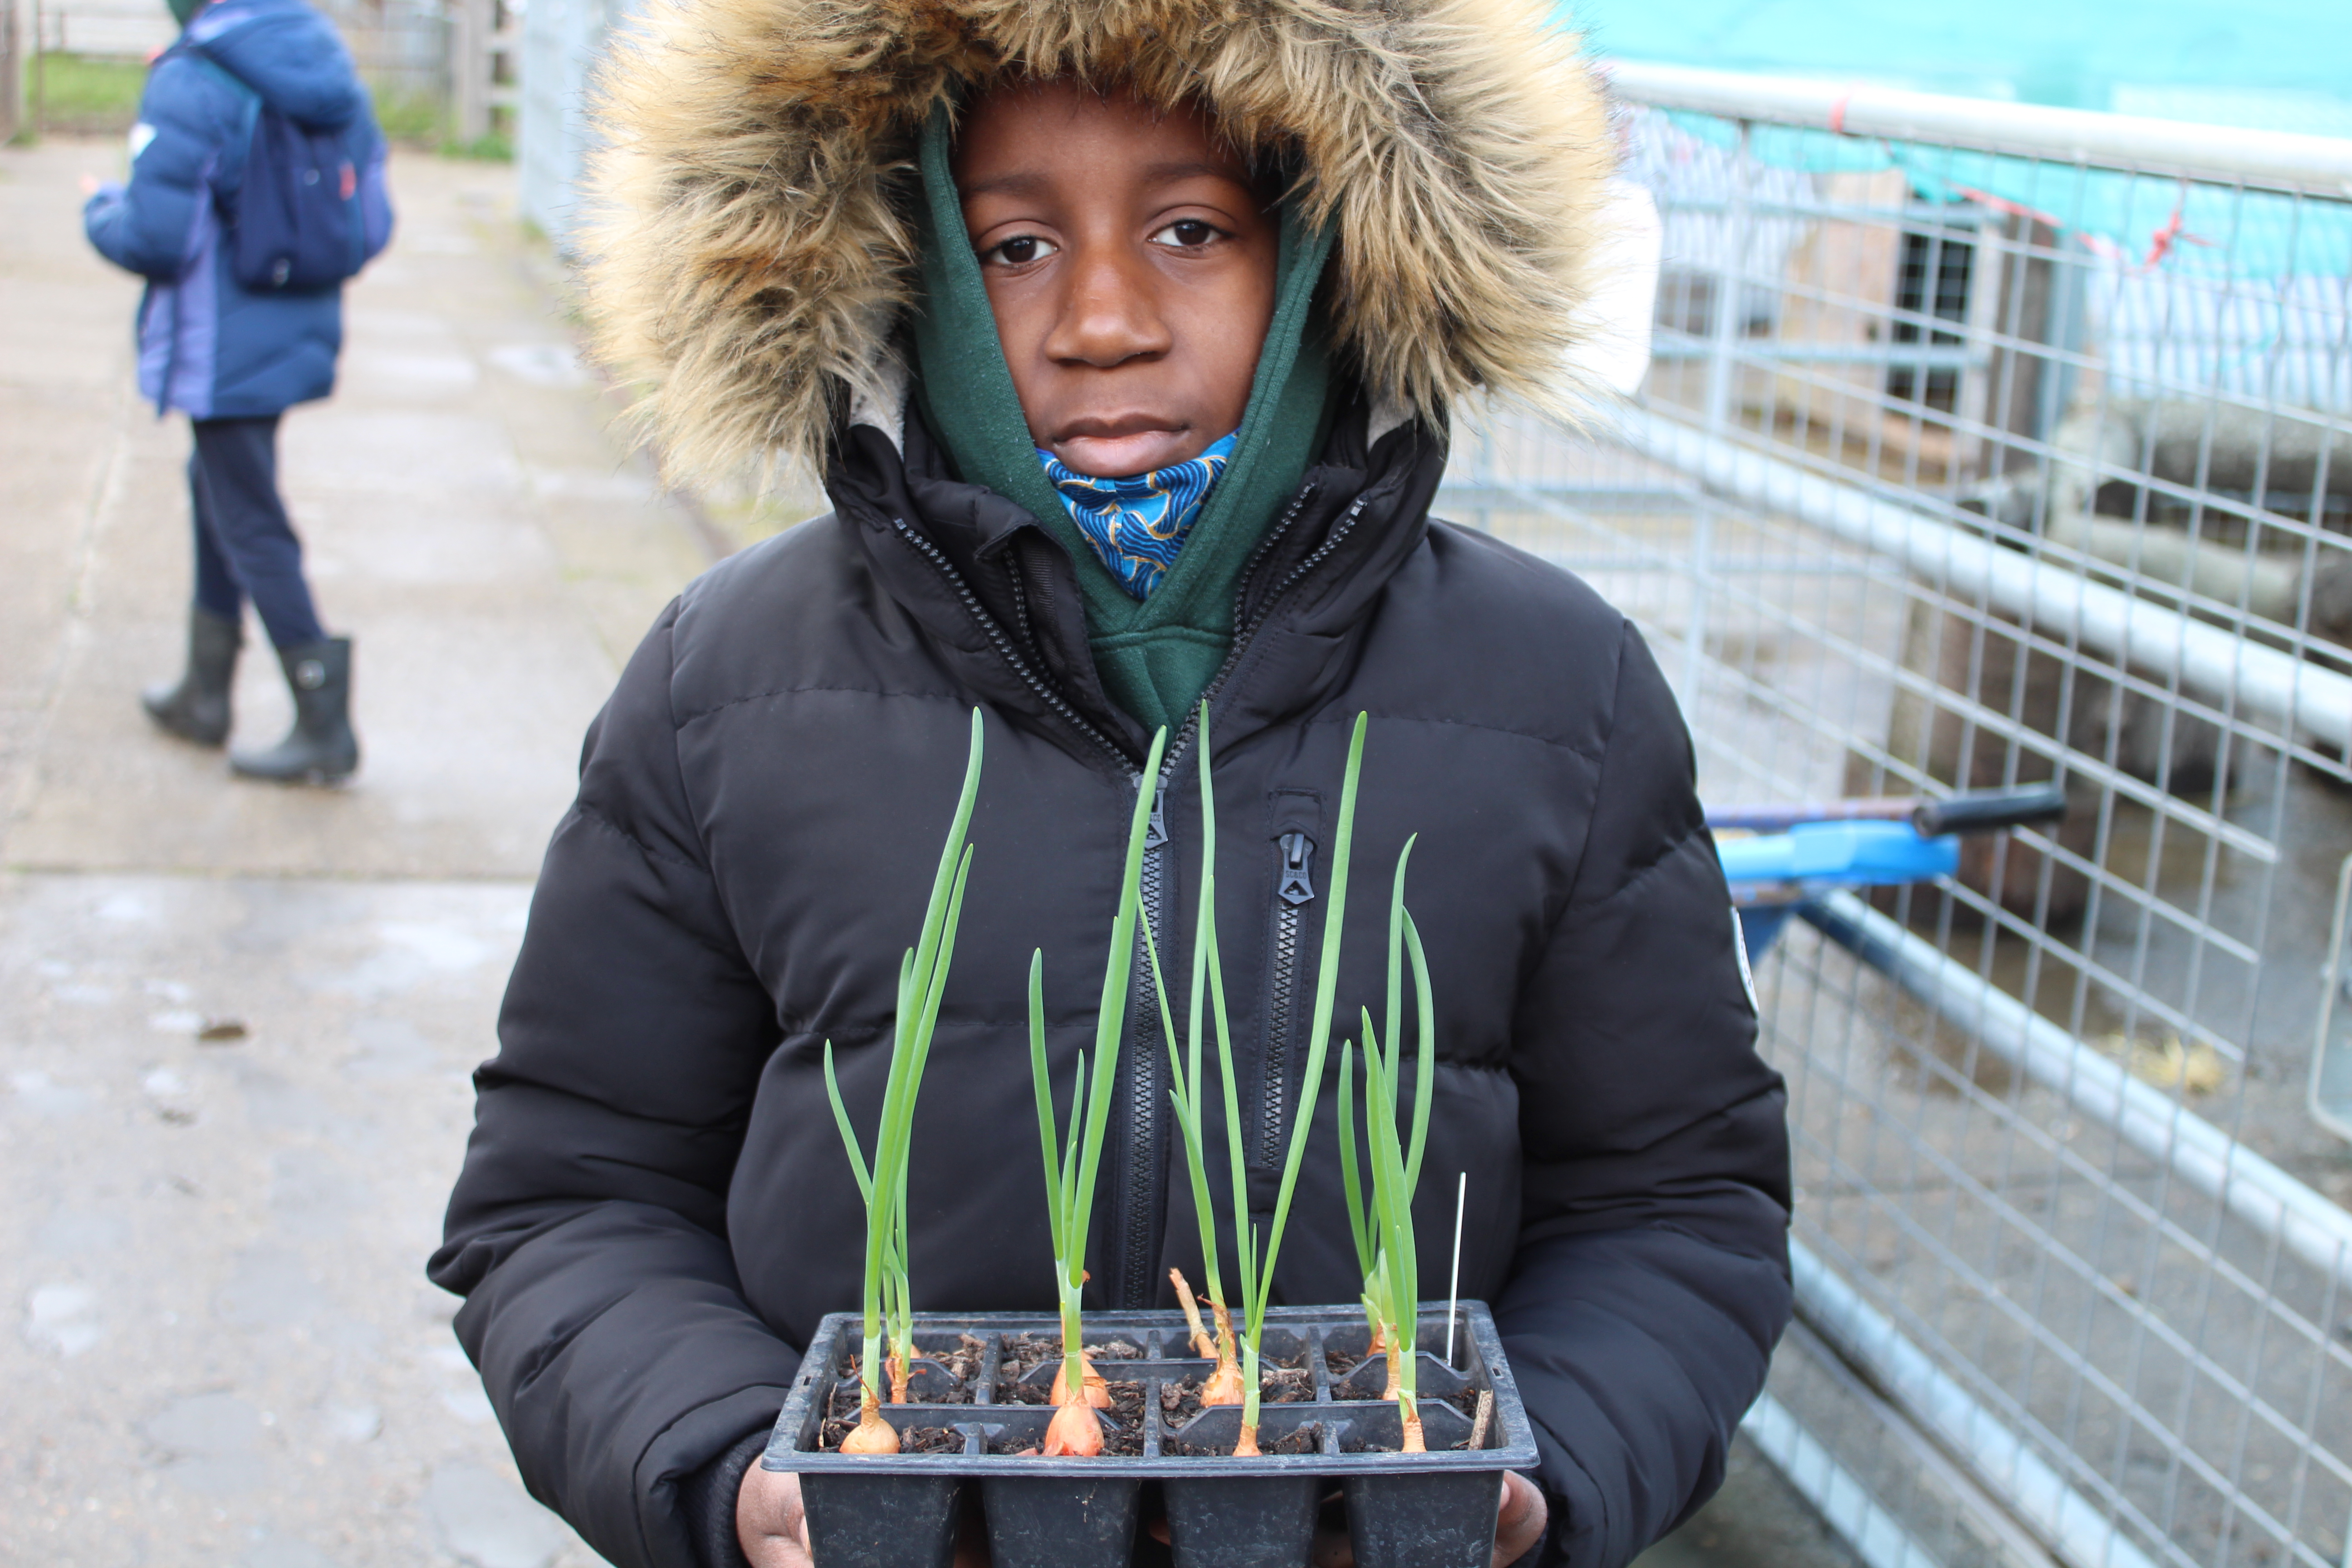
(655, 1209)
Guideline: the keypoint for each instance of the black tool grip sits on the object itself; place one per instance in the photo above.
(1983, 810)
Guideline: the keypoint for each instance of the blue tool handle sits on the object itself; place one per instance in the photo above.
(1848, 854)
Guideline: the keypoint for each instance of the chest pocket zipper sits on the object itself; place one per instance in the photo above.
(1294, 890)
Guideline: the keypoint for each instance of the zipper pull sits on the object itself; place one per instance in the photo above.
(1155, 833)
(1298, 885)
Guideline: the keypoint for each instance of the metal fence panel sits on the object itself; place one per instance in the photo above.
(402, 50)
(121, 29)
(1985, 445)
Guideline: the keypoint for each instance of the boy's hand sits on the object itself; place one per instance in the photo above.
(768, 1522)
(1521, 1519)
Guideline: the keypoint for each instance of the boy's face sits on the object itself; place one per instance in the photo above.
(1130, 267)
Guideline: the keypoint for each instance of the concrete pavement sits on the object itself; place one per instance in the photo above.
(223, 1349)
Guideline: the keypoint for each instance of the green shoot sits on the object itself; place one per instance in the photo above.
(1360, 1225)
(888, 1298)
(1383, 1220)
(1256, 1254)
(1223, 1384)
(1070, 1174)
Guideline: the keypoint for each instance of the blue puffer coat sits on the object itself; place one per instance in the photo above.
(206, 345)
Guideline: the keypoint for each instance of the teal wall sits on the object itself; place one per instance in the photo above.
(2278, 64)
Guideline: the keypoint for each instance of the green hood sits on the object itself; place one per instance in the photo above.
(1158, 655)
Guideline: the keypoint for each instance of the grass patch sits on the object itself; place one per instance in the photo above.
(85, 93)
(415, 119)
(494, 148)
(421, 119)
(88, 94)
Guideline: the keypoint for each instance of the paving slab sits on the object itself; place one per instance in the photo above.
(64, 359)
(221, 1348)
(1756, 1521)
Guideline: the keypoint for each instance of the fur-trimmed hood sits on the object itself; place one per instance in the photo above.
(748, 240)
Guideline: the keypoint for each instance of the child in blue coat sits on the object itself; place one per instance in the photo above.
(232, 358)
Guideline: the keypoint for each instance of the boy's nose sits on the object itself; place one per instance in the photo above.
(1111, 312)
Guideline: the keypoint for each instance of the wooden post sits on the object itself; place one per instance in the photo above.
(469, 68)
(503, 67)
(40, 71)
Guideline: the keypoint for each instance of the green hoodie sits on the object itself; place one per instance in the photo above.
(1156, 656)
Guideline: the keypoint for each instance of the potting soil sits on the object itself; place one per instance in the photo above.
(939, 1376)
(1180, 1401)
(912, 1439)
(1024, 1353)
(1308, 1440)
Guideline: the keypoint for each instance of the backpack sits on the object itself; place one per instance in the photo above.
(298, 223)
(311, 209)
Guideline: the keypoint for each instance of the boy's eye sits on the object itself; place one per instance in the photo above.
(1187, 234)
(1020, 250)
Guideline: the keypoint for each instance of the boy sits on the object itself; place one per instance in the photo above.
(1127, 343)
(234, 358)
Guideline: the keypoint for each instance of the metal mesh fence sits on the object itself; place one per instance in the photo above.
(1988, 446)
(400, 46)
(402, 49)
(124, 29)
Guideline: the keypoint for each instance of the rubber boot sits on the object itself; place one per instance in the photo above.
(196, 708)
(320, 748)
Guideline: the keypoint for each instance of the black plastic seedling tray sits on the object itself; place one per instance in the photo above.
(1434, 1510)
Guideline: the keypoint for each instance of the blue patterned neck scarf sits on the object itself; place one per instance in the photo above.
(1137, 525)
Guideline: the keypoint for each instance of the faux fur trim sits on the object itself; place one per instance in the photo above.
(749, 254)
(883, 402)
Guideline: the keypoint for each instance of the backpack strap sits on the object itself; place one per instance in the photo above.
(239, 148)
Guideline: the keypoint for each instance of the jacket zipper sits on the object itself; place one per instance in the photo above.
(1142, 1185)
(1141, 1151)
(1294, 891)
(1134, 1282)
(1020, 604)
(1134, 1275)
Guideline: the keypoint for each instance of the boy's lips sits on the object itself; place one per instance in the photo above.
(1119, 445)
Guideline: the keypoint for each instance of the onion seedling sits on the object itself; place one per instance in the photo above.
(1257, 1254)
(882, 1183)
(1223, 1384)
(1072, 1161)
(1382, 1227)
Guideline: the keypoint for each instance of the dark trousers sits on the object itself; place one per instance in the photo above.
(246, 547)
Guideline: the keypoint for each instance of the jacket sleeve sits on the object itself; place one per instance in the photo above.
(1651, 1276)
(587, 1231)
(187, 121)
